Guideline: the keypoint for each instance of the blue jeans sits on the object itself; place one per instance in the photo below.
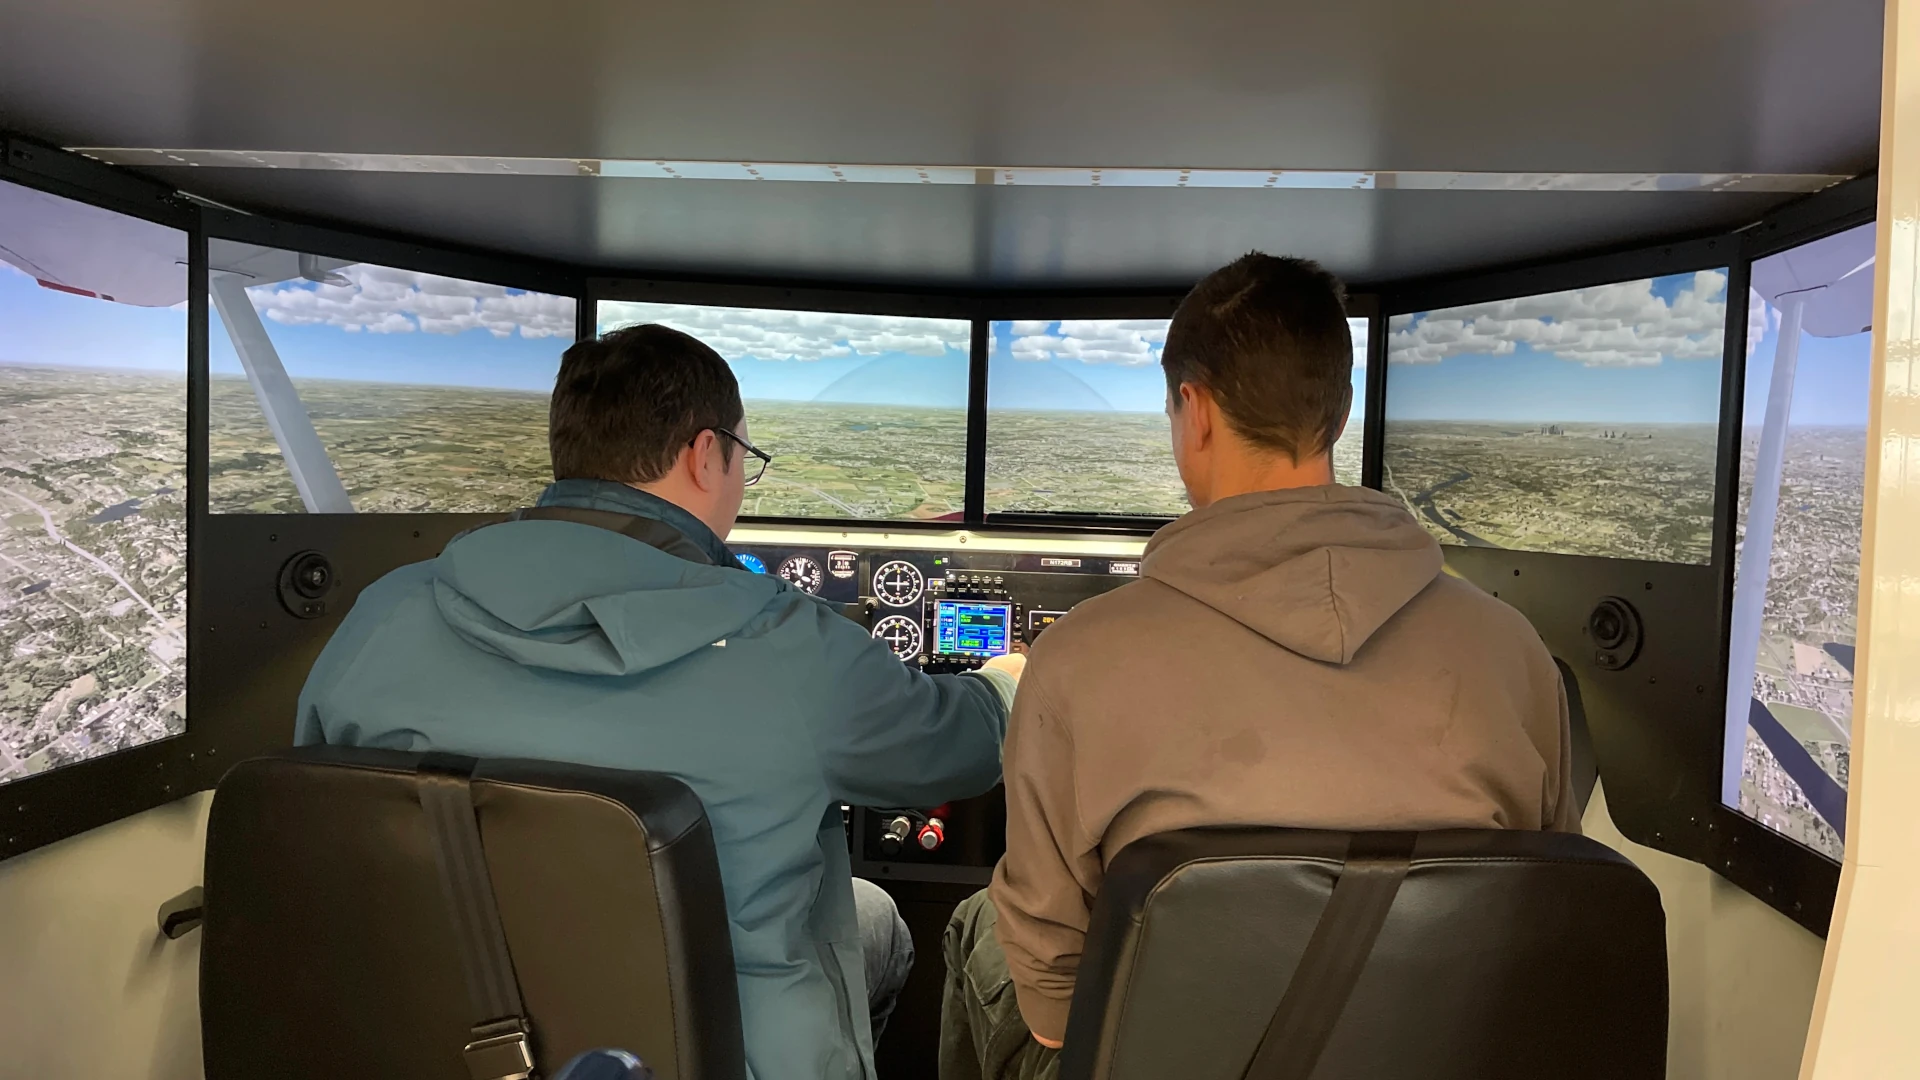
(887, 948)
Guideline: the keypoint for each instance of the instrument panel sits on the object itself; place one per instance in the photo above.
(942, 611)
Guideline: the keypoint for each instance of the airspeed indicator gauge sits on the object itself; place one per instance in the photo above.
(802, 573)
(899, 633)
(898, 583)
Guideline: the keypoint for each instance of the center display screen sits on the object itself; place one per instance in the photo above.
(1077, 421)
(865, 415)
(972, 628)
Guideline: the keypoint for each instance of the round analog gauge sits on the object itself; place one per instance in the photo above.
(802, 573)
(751, 561)
(901, 634)
(898, 583)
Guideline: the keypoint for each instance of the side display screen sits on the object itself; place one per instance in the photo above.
(1796, 582)
(1582, 422)
(972, 628)
(865, 415)
(1076, 418)
(341, 387)
(93, 482)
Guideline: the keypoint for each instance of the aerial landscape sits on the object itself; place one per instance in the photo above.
(1803, 673)
(93, 484)
(93, 575)
(1076, 419)
(398, 448)
(1581, 422)
(1624, 491)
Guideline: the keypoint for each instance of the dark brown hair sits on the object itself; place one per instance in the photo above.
(626, 402)
(1268, 337)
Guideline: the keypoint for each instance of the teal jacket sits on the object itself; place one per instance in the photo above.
(562, 641)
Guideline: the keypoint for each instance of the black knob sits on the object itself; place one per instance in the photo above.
(305, 582)
(312, 575)
(1615, 628)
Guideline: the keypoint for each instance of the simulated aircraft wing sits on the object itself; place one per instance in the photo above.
(1833, 275)
(77, 248)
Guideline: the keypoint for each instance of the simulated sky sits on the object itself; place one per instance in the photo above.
(380, 324)
(45, 326)
(821, 356)
(1097, 365)
(1645, 351)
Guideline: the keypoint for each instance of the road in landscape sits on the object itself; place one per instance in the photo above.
(1424, 501)
(54, 532)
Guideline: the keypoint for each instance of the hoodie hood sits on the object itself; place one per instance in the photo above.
(1314, 570)
(570, 597)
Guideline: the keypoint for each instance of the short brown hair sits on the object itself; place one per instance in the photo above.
(626, 402)
(1268, 337)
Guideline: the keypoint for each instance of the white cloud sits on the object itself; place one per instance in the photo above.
(384, 300)
(769, 334)
(1126, 342)
(1620, 325)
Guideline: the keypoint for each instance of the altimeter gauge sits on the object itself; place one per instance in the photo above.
(802, 573)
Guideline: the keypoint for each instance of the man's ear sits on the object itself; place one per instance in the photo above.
(1196, 412)
(699, 458)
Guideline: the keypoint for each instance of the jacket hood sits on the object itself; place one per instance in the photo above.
(1314, 570)
(570, 597)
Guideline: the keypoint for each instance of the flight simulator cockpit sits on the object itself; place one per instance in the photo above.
(241, 382)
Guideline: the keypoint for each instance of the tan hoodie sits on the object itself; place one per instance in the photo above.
(1289, 658)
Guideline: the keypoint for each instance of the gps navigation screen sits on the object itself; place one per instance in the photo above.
(1076, 418)
(1803, 453)
(93, 482)
(865, 415)
(971, 628)
(1582, 422)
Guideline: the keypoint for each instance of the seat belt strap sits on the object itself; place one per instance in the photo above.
(501, 1045)
(652, 533)
(1335, 956)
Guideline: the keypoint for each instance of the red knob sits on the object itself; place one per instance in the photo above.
(932, 834)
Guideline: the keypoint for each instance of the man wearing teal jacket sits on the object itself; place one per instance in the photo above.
(563, 640)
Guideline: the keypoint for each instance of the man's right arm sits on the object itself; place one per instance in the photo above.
(889, 735)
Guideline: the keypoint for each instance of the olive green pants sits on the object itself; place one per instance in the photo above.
(982, 1034)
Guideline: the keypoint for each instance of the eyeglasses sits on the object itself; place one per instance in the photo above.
(755, 462)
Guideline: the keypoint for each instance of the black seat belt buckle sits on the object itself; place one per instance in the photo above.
(500, 1050)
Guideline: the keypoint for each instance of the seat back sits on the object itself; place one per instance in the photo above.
(329, 950)
(1506, 954)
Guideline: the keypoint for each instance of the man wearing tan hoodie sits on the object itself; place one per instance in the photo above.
(1293, 656)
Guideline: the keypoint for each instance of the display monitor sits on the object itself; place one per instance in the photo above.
(1796, 583)
(972, 628)
(1582, 422)
(865, 415)
(341, 387)
(1076, 419)
(93, 482)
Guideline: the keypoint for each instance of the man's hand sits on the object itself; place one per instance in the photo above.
(1014, 664)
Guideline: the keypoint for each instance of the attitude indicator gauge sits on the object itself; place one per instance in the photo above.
(802, 573)
(898, 583)
(901, 634)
